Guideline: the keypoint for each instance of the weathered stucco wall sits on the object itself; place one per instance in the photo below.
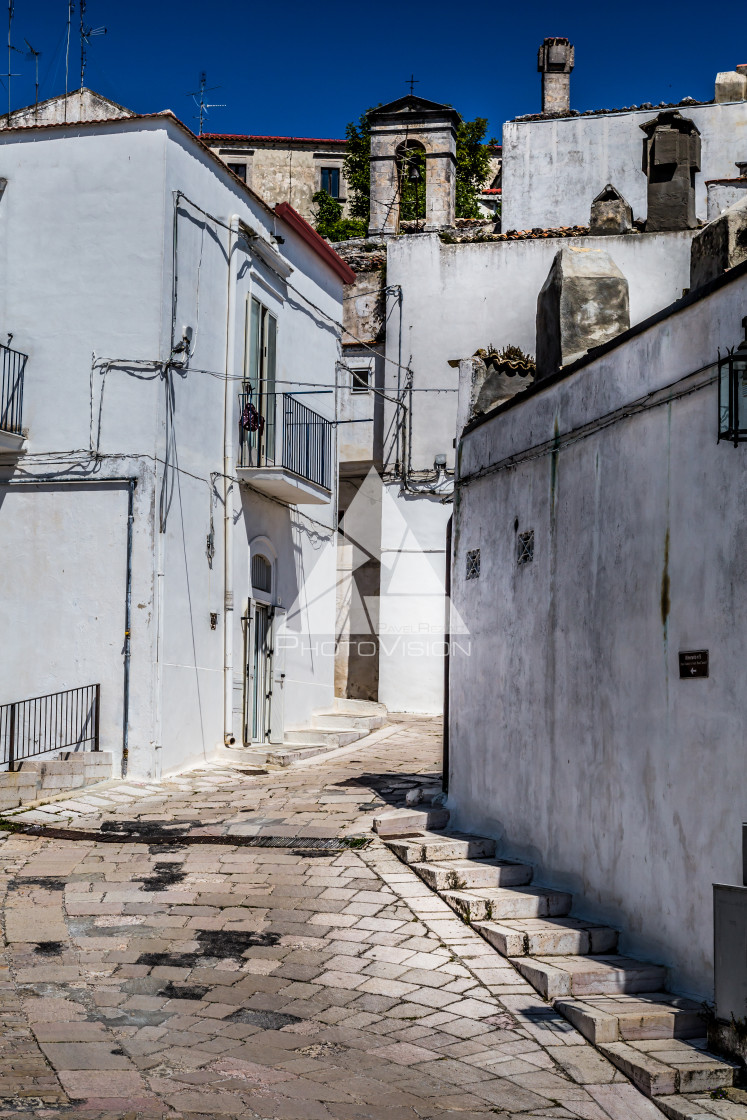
(454, 299)
(552, 169)
(284, 170)
(573, 738)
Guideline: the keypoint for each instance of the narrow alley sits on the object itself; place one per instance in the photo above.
(238, 944)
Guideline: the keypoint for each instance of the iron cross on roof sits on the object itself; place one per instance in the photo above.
(412, 81)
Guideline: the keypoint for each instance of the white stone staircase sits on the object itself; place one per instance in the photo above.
(344, 723)
(618, 1003)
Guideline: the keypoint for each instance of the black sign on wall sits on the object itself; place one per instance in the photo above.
(693, 663)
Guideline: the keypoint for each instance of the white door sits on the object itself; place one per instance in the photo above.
(277, 669)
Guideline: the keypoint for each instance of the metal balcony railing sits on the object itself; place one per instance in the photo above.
(303, 444)
(58, 721)
(12, 366)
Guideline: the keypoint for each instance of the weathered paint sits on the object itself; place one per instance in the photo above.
(553, 169)
(573, 740)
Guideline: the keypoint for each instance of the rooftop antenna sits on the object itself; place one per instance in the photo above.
(202, 104)
(11, 48)
(70, 10)
(35, 55)
(86, 34)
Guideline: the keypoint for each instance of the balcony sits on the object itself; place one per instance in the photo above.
(290, 460)
(12, 367)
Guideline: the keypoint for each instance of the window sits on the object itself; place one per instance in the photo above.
(473, 564)
(360, 380)
(331, 181)
(258, 446)
(238, 169)
(261, 574)
(525, 547)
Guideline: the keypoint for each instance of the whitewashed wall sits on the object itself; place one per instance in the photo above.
(573, 739)
(455, 299)
(92, 273)
(553, 169)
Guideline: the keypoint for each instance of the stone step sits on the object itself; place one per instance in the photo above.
(663, 1066)
(427, 847)
(410, 822)
(730, 1104)
(626, 1018)
(555, 977)
(492, 903)
(287, 756)
(358, 707)
(531, 937)
(459, 874)
(324, 736)
(346, 721)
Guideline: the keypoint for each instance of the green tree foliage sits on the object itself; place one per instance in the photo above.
(472, 170)
(329, 221)
(472, 166)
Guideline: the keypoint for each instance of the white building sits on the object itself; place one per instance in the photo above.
(598, 541)
(155, 535)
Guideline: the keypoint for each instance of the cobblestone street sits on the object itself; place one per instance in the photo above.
(162, 958)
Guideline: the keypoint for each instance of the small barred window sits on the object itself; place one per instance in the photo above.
(473, 564)
(525, 547)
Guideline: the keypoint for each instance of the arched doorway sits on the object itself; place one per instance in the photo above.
(262, 713)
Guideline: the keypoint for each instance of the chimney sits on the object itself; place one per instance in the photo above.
(555, 62)
(671, 156)
(583, 303)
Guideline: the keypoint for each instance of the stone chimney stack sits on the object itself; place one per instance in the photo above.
(555, 62)
(671, 156)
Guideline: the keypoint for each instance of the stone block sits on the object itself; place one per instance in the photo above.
(403, 822)
(610, 213)
(730, 951)
(17, 788)
(583, 303)
(731, 85)
(719, 246)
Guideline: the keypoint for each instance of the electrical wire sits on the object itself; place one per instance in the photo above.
(654, 399)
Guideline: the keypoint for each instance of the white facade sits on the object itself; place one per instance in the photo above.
(455, 299)
(91, 227)
(573, 738)
(554, 168)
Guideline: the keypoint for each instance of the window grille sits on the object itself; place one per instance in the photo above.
(525, 547)
(473, 564)
(261, 574)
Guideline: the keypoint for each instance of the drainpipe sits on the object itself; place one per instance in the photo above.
(128, 623)
(228, 470)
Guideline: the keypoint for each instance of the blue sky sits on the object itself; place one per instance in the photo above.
(306, 69)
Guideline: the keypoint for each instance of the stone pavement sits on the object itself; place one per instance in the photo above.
(152, 968)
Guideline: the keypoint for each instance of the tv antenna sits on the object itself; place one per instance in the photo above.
(202, 104)
(86, 34)
(35, 56)
(11, 48)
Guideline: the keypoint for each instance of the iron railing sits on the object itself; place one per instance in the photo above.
(304, 446)
(58, 721)
(12, 366)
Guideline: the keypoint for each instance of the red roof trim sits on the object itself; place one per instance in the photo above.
(492, 190)
(315, 242)
(289, 139)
